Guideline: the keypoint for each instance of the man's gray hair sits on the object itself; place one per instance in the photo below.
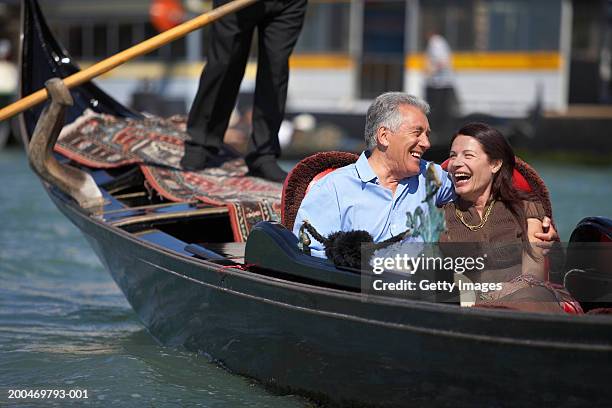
(384, 111)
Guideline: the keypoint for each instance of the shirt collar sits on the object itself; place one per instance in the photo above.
(364, 171)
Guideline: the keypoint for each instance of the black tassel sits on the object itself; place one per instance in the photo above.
(344, 248)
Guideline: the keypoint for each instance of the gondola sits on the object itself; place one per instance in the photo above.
(298, 324)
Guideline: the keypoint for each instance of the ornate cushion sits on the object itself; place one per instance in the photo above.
(305, 173)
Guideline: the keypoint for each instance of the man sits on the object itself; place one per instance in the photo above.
(278, 24)
(438, 63)
(387, 181)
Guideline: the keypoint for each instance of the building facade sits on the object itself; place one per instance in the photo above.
(507, 54)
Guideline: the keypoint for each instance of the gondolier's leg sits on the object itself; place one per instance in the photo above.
(228, 51)
(278, 34)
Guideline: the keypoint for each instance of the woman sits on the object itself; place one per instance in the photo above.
(502, 221)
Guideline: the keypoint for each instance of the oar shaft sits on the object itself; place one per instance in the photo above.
(137, 50)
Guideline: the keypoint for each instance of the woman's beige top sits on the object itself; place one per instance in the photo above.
(500, 238)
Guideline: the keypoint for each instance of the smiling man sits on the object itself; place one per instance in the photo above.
(387, 181)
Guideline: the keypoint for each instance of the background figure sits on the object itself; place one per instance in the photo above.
(8, 74)
(8, 86)
(278, 24)
(440, 91)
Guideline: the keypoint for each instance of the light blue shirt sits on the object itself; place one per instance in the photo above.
(351, 198)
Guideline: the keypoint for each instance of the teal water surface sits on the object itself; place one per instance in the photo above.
(64, 324)
(576, 192)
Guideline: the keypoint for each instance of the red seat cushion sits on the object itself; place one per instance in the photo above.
(304, 175)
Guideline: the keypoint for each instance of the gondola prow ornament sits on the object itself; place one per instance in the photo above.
(72, 181)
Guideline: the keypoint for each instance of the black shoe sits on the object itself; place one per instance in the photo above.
(189, 163)
(269, 170)
(197, 158)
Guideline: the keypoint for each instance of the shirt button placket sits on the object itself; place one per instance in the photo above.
(394, 222)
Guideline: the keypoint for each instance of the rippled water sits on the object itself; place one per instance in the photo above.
(577, 192)
(65, 325)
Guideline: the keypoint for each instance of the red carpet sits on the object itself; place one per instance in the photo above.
(156, 145)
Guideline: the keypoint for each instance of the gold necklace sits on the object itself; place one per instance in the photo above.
(476, 227)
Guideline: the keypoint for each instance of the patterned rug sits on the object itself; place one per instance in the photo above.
(156, 145)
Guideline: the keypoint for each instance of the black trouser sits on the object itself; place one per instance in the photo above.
(278, 25)
(444, 111)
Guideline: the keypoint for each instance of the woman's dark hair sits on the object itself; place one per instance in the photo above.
(497, 147)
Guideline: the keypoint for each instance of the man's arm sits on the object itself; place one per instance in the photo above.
(320, 208)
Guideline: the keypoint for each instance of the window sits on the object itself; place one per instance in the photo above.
(524, 25)
(326, 28)
(126, 36)
(100, 41)
(384, 28)
(382, 62)
(493, 25)
(587, 34)
(453, 19)
(75, 41)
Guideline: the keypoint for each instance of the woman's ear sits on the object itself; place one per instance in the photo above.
(496, 165)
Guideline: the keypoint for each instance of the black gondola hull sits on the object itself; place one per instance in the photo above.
(344, 348)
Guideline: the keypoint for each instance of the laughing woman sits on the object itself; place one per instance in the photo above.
(500, 220)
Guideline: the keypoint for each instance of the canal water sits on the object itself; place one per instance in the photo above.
(64, 324)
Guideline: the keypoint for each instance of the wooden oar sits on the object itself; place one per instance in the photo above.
(137, 50)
